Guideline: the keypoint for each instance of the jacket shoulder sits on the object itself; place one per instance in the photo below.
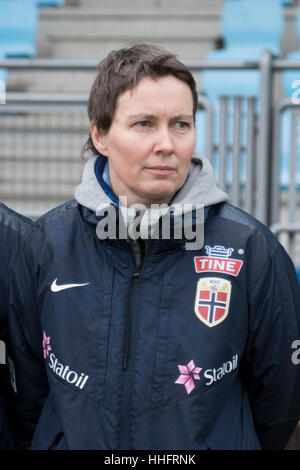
(56, 224)
(11, 220)
(63, 213)
(247, 222)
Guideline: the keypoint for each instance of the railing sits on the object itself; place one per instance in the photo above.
(42, 136)
(40, 141)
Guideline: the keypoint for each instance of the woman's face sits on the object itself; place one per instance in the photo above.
(151, 140)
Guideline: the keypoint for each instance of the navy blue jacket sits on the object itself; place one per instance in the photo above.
(174, 348)
(207, 334)
(12, 226)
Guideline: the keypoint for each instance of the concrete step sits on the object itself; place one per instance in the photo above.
(290, 41)
(91, 29)
(40, 163)
(148, 4)
(185, 49)
(132, 26)
(41, 81)
(90, 34)
(50, 81)
(98, 13)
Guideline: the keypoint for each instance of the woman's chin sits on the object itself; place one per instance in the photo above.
(159, 195)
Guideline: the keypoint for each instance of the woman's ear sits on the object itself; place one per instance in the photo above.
(99, 139)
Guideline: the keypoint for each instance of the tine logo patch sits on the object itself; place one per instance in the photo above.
(218, 260)
(212, 300)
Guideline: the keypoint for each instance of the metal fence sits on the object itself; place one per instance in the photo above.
(285, 185)
(40, 141)
(41, 137)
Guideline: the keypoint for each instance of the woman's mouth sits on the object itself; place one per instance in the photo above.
(160, 170)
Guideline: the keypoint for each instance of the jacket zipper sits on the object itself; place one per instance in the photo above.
(134, 278)
(129, 349)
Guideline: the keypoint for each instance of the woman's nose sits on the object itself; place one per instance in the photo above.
(164, 143)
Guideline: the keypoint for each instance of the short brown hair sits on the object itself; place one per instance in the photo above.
(121, 71)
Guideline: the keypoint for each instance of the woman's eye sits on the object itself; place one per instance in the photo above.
(182, 124)
(143, 124)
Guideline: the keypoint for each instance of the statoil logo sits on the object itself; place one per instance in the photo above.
(217, 373)
(61, 370)
(190, 372)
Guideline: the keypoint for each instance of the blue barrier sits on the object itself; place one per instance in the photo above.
(252, 23)
(249, 27)
(281, 2)
(51, 3)
(18, 28)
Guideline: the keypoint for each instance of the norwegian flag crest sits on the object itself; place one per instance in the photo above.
(212, 300)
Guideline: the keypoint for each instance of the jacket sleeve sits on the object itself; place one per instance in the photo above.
(25, 353)
(271, 369)
(12, 229)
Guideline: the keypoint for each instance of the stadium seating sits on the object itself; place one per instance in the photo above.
(246, 36)
(18, 28)
(242, 26)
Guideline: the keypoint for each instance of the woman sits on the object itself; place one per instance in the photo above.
(145, 341)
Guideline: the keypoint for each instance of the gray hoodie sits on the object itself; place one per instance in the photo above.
(198, 192)
(199, 188)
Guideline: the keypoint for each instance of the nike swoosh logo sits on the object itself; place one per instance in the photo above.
(56, 288)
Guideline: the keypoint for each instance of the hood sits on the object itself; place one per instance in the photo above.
(200, 188)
